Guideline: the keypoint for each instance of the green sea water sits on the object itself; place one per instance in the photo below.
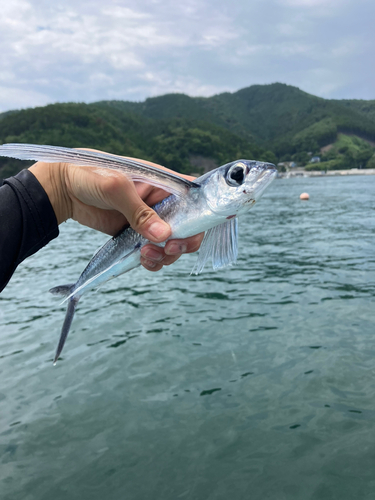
(253, 382)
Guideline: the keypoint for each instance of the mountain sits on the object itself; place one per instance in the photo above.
(182, 144)
(274, 122)
(274, 115)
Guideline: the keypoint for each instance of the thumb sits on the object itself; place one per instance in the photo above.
(144, 220)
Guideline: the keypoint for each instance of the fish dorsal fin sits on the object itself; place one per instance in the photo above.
(134, 169)
(220, 244)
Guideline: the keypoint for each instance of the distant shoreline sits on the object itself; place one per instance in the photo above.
(329, 173)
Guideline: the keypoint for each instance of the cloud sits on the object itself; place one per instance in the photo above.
(308, 3)
(85, 51)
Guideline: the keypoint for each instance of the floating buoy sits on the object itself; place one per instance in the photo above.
(304, 196)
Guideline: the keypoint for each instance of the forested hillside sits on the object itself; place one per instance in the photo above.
(267, 122)
(364, 107)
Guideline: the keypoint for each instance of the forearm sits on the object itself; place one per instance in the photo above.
(27, 222)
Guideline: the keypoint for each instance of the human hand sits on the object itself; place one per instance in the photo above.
(106, 200)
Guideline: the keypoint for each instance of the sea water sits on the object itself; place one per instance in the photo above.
(252, 382)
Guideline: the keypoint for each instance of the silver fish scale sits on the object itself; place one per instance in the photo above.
(114, 250)
(123, 244)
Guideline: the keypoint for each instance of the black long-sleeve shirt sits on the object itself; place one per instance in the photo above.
(27, 221)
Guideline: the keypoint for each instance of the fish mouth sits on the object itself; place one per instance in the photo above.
(269, 170)
(259, 177)
(261, 166)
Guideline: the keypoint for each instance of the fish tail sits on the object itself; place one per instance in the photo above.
(65, 290)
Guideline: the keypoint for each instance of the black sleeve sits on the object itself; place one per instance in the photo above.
(27, 221)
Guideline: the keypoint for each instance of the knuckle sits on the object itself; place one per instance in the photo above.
(194, 244)
(170, 260)
(115, 184)
(194, 248)
(151, 266)
(141, 216)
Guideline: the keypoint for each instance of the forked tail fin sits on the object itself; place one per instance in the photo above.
(72, 304)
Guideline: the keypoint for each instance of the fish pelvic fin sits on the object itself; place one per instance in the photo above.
(72, 304)
(63, 290)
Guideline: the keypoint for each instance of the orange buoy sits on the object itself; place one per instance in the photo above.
(304, 196)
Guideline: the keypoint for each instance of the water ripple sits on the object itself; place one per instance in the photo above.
(260, 375)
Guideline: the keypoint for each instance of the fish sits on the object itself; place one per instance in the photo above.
(211, 203)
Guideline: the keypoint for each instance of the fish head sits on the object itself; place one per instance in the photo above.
(234, 188)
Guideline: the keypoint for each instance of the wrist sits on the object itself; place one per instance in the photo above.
(52, 178)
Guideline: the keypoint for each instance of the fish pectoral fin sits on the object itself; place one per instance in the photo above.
(134, 169)
(220, 244)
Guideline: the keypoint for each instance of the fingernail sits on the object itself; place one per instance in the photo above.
(175, 249)
(159, 230)
(152, 254)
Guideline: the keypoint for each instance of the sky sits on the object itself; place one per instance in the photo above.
(85, 51)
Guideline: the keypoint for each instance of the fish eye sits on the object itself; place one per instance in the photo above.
(235, 175)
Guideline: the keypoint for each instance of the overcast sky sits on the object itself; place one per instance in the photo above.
(80, 50)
